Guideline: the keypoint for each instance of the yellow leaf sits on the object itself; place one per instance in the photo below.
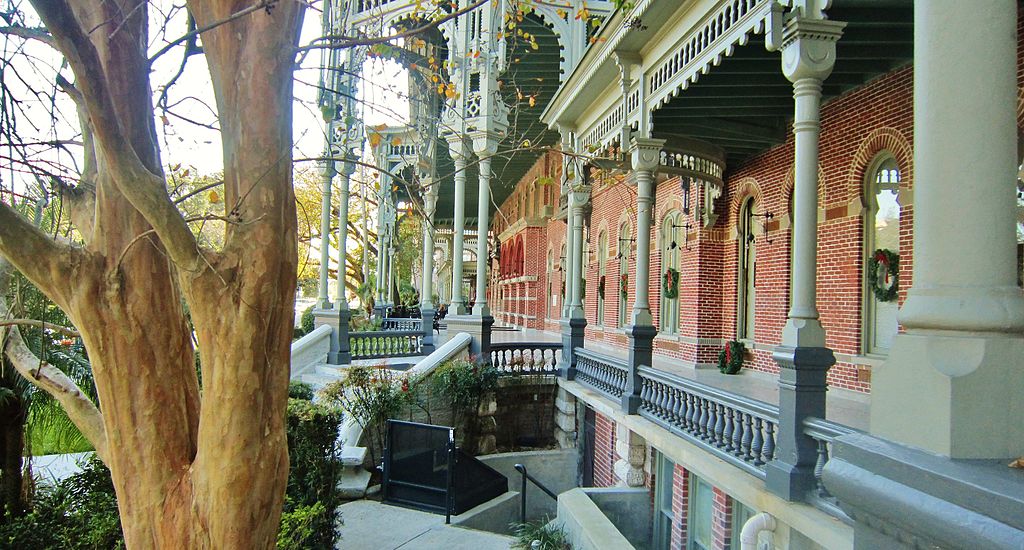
(374, 140)
(533, 101)
(213, 197)
(396, 141)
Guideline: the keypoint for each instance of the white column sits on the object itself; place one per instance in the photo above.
(458, 302)
(580, 197)
(483, 213)
(427, 285)
(953, 382)
(808, 56)
(645, 154)
(323, 301)
(340, 294)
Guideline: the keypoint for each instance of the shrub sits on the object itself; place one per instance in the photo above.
(302, 526)
(464, 384)
(315, 465)
(80, 512)
(300, 390)
(551, 538)
(306, 320)
(76, 513)
(371, 395)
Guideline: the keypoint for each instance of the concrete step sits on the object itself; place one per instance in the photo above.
(330, 370)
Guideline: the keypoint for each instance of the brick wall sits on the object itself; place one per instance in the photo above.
(721, 520)
(856, 127)
(604, 451)
(680, 507)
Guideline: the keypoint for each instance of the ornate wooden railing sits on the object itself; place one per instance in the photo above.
(604, 373)
(517, 358)
(739, 430)
(385, 343)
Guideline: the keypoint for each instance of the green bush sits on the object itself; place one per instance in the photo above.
(80, 512)
(306, 320)
(370, 396)
(301, 527)
(464, 384)
(76, 513)
(315, 460)
(300, 390)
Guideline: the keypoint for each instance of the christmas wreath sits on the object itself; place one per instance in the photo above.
(671, 283)
(730, 358)
(600, 287)
(884, 274)
(624, 286)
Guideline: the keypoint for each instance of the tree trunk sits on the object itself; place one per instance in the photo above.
(13, 415)
(190, 470)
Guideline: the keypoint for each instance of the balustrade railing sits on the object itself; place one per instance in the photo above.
(385, 343)
(604, 373)
(401, 323)
(824, 433)
(739, 430)
(516, 358)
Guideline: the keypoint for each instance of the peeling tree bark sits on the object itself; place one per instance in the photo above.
(189, 471)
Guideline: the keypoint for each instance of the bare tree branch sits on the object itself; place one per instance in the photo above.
(43, 260)
(41, 324)
(144, 189)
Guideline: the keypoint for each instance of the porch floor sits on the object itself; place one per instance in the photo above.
(843, 406)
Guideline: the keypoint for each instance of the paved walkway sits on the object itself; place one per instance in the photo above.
(370, 525)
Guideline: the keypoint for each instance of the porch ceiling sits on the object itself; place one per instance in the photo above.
(745, 105)
(531, 73)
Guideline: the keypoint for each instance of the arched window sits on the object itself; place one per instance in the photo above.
(671, 243)
(746, 272)
(625, 253)
(881, 232)
(602, 283)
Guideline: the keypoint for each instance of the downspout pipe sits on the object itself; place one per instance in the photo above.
(753, 526)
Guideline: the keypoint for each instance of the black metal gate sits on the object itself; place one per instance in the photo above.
(424, 470)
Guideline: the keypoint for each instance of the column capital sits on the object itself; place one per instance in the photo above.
(485, 142)
(645, 153)
(809, 47)
(580, 198)
(458, 147)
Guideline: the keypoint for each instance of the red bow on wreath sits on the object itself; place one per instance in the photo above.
(728, 354)
(881, 258)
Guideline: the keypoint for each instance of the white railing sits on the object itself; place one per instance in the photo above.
(310, 350)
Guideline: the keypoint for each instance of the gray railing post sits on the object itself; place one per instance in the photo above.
(427, 316)
(802, 387)
(641, 350)
(344, 346)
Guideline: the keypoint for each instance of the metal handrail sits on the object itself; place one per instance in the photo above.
(522, 494)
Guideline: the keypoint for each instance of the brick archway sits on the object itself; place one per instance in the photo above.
(886, 139)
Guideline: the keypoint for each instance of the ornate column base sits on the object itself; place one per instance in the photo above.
(802, 387)
(428, 330)
(641, 352)
(957, 394)
(903, 498)
(477, 327)
(573, 331)
(379, 309)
